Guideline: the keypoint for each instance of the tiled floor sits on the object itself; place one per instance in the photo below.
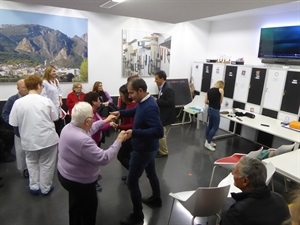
(188, 166)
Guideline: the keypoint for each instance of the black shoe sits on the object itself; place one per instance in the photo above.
(161, 155)
(133, 219)
(124, 178)
(98, 187)
(25, 173)
(152, 202)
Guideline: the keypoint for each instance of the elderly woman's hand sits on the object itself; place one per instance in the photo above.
(122, 136)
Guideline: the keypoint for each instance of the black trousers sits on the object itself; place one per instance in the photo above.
(59, 125)
(83, 201)
(124, 153)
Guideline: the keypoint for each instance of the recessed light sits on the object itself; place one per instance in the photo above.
(111, 3)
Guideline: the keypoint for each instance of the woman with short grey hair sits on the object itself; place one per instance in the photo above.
(79, 160)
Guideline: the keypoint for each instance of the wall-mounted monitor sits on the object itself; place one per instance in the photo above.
(279, 43)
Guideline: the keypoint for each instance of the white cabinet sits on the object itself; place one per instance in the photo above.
(242, 82)
(274, 88)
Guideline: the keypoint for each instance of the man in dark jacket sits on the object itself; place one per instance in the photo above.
(256, 204)
(166, 104)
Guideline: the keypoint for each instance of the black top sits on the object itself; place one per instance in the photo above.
(259, 207)
(214, 98)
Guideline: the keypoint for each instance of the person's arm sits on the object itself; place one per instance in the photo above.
(70, 101)
(109, 99)
(206, 101)
(231, 217)
(59, 93)
(6, 110)
(53, 110)
(168, 98)
(221, 90)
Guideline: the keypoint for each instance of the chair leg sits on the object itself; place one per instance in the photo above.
(212, 176)
(171, 211)
(218, 219)
(193, 220)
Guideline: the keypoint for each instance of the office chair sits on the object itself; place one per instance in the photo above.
(203, 202)
(227, 163)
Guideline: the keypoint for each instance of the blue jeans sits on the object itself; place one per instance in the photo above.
(138, 163)
(213, 123)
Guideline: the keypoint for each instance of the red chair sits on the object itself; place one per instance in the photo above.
(227, 163)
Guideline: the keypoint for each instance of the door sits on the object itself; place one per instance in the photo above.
(257, 82)
(230, 76)
(291, 95)
(206, 77)
(242, 82)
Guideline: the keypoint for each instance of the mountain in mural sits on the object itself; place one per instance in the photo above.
(36, 44)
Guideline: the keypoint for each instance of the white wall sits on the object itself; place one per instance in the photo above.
(239, 37)
(191, 41)
(105, 46)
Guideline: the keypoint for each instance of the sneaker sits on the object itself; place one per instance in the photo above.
(213, 144)
(35, 191)
(133, 219)
(152, 202)
(209, 147)
(49, 192)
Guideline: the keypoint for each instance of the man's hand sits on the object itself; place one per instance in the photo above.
(115, 113)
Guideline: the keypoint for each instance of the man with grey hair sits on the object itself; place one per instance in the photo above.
(256, 204)
(20, 153)
(79, 160)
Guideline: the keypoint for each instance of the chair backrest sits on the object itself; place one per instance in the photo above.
(206, 201)
(270, 172)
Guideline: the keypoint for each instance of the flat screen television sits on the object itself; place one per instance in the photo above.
(280, 42)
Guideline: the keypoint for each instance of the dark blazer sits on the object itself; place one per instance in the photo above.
(166, 104)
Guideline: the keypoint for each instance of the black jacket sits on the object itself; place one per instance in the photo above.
(166, 104)
(260, 207)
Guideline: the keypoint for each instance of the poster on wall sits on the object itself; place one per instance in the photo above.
(144, 53)
(30, 42)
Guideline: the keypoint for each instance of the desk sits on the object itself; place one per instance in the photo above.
(287, 164)
(274, 126)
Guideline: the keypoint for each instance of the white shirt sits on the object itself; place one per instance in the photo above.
(52, 91)
(34, 114)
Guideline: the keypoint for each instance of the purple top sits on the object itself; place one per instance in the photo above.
(79, 157)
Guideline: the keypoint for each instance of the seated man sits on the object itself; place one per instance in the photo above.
(256, 204)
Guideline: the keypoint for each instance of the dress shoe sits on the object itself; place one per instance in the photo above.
(98, 187)
(133, 219)
(124, 178)
(161, 155)
(25, 173)
(152, 202)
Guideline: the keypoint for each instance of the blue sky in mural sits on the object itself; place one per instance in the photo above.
(70, 26)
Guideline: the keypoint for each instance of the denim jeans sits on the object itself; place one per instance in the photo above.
(213, 123)
(139, 162)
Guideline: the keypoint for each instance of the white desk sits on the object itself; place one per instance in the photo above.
(274, 126)
(287, 164)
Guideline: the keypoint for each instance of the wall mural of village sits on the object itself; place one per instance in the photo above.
(144, 53)
(29, 42)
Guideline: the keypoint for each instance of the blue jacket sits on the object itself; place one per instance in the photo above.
(147, 127)
(8, 106)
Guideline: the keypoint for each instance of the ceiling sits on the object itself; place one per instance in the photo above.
(170, 11)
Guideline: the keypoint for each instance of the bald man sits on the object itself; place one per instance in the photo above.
(11, 140)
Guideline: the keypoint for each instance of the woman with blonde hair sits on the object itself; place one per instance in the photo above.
(214, 98)
(52, 91)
